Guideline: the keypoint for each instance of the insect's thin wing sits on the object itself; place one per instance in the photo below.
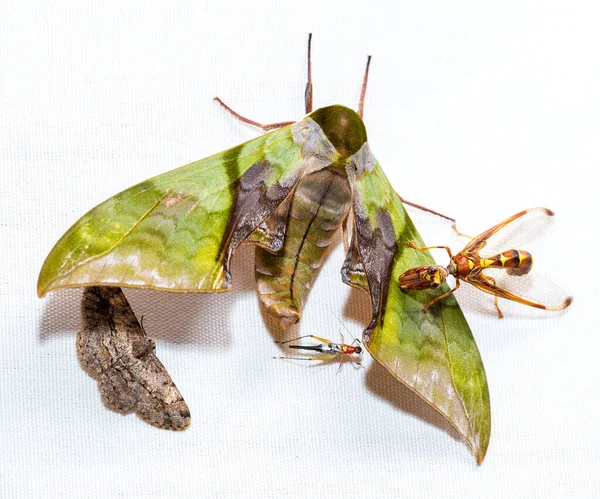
(513, 232)
(530, 289)
(114, 348)
(433, 354)
(177, 231)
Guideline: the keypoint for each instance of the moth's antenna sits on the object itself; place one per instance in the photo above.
(364, 89)
(309, 87)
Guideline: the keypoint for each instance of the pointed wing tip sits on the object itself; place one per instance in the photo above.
(568, 301)
(42, 287)
(46, 281)
(480, 451)
(478, 444)
(548, 212)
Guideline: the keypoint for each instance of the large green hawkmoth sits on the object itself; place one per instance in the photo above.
(287, 192)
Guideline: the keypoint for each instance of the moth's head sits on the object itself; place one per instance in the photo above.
(343, 127)
(428, 277)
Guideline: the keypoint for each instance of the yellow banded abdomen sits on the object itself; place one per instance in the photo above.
(516, 262)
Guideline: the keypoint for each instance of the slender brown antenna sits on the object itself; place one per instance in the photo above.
(308, 93)
(363, 91)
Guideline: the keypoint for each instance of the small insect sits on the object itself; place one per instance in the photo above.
(327, 349)
(469, 266)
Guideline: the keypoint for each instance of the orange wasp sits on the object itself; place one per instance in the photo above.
(469, 266)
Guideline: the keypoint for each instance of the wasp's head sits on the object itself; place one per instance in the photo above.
(429, 277)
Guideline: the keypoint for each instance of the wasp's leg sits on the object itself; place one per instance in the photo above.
(414, 246)
(460, 233)
(491, 281)
(426, 307)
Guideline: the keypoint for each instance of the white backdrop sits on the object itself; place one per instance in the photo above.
(475, 110)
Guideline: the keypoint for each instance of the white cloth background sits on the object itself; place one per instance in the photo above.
(475, 110)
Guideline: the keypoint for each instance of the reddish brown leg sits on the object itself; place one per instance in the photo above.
(492, 281)
(500, 314)
(426, 307)
(460, 233)
(265, 128)
(423, 208)
(412, 245)
(273, 126)
(308, 93)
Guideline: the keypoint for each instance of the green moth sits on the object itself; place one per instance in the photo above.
(288, 192)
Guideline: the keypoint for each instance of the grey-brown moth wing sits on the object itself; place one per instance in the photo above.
(113, 348)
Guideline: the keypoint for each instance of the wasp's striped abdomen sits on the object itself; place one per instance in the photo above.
(516, 262)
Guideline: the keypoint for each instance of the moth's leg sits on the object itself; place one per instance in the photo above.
(308, 92)
(460, 233)
(426, 307)
(423, 208)
(413, 246)
(322, 340)
(363, 90)
(264, 128)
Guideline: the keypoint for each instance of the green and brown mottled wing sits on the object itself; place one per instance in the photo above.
(177, 231)
(433, 354)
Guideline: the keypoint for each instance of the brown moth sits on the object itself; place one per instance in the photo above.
(113, 347)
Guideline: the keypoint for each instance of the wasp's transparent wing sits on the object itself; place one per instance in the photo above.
(531, 289)
(512, 233)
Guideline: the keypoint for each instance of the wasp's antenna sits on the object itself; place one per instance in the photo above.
(344, 326)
